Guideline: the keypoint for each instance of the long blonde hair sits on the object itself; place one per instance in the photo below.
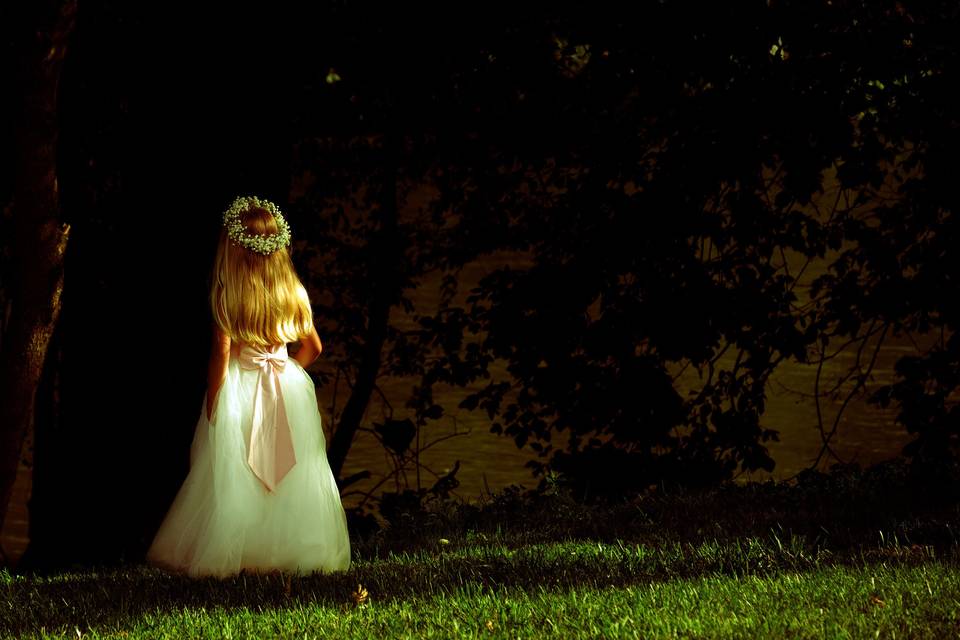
(258, 299)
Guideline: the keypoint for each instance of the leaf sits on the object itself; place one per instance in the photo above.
(470, 402)
(396, 434)
(360, 595)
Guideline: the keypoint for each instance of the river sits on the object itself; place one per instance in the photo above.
(865, 433)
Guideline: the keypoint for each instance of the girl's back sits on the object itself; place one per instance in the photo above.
(260, 494)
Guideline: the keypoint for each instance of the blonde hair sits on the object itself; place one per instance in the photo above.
(258, 299)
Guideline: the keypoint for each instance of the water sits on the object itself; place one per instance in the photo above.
(865, 434)
(488, 462)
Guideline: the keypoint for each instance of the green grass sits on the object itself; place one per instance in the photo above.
(483, 586)
(853, 555)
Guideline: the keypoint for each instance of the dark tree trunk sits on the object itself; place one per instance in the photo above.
(383, 250)
(363, 387)
(39, 238)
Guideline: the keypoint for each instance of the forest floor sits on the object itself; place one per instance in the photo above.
(852, 555)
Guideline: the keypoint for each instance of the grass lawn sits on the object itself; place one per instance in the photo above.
(750, 588)
(852, 557)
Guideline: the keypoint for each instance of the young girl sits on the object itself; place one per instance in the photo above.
(260, 495)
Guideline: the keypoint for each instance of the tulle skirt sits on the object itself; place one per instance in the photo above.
(223, 519)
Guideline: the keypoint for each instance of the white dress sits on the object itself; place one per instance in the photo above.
(225, 517)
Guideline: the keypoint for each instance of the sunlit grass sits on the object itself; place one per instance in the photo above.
(489, 588)
(900, 601)
(849, 557)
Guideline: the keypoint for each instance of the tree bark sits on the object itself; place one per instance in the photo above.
(40, 239)
(383, 294)
(363, 387)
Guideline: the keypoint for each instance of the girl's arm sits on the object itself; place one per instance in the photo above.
(310, 348)
(219, 357)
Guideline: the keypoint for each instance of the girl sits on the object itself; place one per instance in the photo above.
(260, 494)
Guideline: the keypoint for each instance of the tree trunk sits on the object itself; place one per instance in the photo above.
(363, 387)
(384, 292)
(39, 238)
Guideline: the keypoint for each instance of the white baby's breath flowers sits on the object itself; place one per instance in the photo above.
(265, 243)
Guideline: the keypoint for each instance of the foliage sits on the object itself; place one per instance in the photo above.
(659, 184)
(664, 184)
(841, 509)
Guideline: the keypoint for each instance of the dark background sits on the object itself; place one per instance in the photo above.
(167, 113)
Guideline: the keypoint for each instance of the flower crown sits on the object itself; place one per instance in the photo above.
(265, 243)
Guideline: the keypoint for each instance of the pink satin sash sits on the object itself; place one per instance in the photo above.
(271, 453)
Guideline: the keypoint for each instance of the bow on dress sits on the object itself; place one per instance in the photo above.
(271, 446)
